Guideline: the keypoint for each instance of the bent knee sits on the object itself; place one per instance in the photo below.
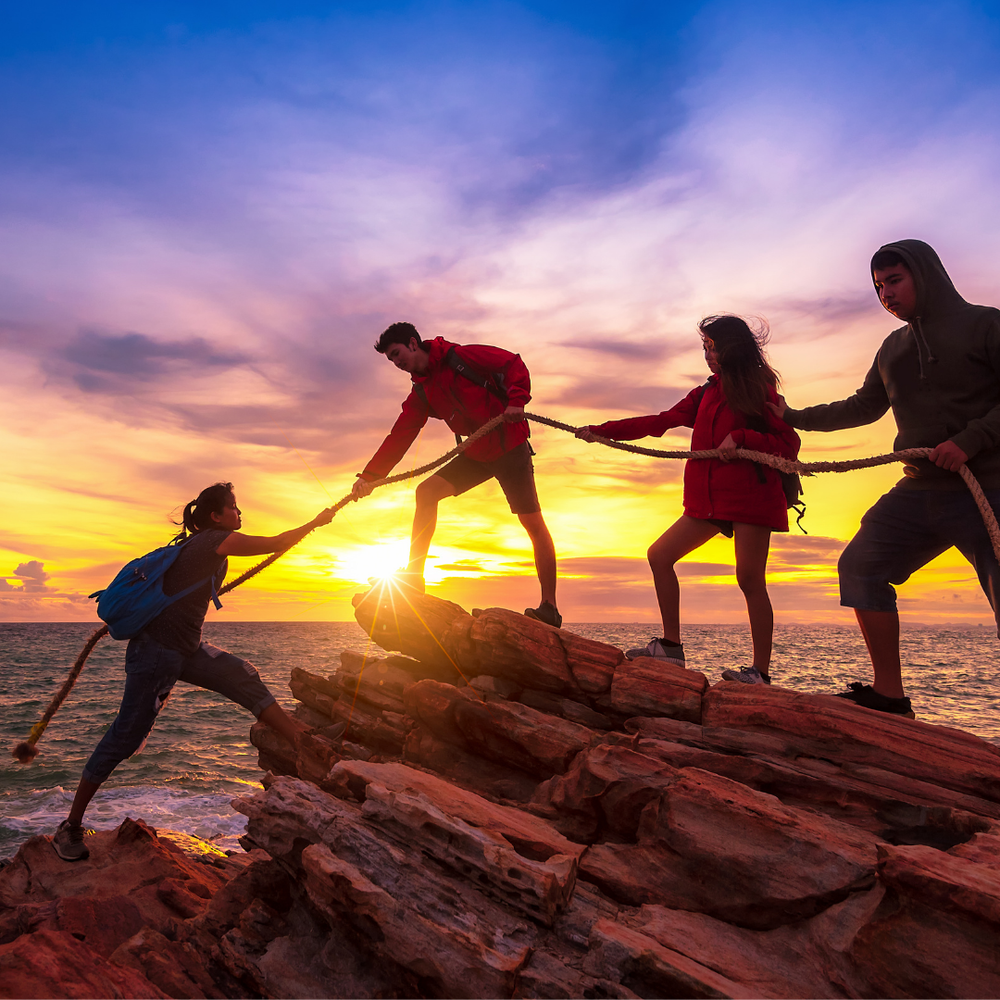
(429, 492)
(754, 584)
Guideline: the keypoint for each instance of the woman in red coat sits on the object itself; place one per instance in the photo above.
(744, 500)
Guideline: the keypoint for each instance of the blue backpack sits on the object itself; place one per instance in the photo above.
(135, 596)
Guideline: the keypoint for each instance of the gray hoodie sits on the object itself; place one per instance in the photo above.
(940, 374)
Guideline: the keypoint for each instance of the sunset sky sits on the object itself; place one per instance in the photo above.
(208, 213)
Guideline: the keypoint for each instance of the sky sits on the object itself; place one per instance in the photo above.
(208, 213)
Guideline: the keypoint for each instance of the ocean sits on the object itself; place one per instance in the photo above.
(199, 757)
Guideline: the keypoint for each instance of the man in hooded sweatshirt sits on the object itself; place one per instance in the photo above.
(940, 374)
(466, 387)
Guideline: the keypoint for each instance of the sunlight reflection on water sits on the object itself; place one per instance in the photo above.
(199, 756)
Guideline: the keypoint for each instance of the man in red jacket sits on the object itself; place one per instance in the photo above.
(465, 386)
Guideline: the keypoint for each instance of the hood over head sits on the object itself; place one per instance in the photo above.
(936, 293)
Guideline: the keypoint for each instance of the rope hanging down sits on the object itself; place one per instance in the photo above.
(27, 750)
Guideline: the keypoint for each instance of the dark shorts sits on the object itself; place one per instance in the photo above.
(513, 471)
(904, 531)
(726, 527)
(151, 671)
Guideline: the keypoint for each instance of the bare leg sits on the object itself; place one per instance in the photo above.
(683, 536)
(545, 553)
(428, 494)
(881, 632)
(752, 542)
(85, 791)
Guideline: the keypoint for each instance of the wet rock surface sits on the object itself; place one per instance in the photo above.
(517, 811)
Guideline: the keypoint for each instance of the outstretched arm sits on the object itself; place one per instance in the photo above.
(655, 425)
(404, 432)
(238, 544)
(864, 407)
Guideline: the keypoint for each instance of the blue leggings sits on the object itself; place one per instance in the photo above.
(151, 671)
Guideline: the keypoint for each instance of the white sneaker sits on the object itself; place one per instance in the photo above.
(658, 649)
(746, 675)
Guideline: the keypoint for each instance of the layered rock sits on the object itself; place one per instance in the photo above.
(727, 840)
(517, 811)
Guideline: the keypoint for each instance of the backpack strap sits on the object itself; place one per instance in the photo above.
(492, 383)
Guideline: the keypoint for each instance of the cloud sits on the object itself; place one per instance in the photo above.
(794, 551)
(626, 350)
(32, 575)
(111, 363)
(616, 392)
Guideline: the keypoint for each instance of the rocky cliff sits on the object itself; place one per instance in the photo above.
(517, 811)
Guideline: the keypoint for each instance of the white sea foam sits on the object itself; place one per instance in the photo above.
(199, 758)
(208, 816)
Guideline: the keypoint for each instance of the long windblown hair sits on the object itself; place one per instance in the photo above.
(744, 371)
(198, 513)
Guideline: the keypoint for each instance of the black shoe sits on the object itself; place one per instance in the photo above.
(865, 696)
(659, 649)
(545, 612)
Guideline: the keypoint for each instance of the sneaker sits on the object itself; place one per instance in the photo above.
(865, 696)
(746, 675)
(334, 732)
(545, 612)
(659, 649)
(68, 842)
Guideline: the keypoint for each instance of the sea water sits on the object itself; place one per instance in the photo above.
(199, 757)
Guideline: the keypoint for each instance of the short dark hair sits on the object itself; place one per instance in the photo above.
(888, 258)
(398, 333)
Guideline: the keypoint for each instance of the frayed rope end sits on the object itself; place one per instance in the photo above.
(25, 752)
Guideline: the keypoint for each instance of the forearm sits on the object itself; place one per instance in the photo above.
(851, 412)
(869, 403)
(633, 428)
(238, 544)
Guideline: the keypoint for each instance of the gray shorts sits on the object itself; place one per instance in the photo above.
(151, 671)
(904, 531)
(514, 472)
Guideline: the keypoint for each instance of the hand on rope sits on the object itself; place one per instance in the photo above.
(27, 750)
(943, 456)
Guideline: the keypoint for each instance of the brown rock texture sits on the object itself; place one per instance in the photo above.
(517, 811)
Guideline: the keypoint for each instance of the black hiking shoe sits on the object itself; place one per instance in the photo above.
(865, 696)
(545, 612)
(659, 649)
(68, 843)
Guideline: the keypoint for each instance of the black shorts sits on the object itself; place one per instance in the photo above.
(726, 527)
(513, 471)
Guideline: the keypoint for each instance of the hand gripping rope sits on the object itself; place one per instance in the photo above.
(26, 751)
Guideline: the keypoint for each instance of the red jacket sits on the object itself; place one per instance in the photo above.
(460, 403)
(726, 491)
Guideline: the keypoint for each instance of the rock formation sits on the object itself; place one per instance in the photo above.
(517, 811)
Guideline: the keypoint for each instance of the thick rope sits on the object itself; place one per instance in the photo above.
(805, 468)
(26, 751)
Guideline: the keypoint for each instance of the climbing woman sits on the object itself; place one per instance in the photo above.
(742, 499)
(170, 649)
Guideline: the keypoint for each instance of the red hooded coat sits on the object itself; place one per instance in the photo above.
(725, 491)
(460, 403)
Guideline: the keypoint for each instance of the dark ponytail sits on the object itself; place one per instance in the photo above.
(198, 513)
(744, 372)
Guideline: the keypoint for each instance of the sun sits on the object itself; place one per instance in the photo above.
(379, 560)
